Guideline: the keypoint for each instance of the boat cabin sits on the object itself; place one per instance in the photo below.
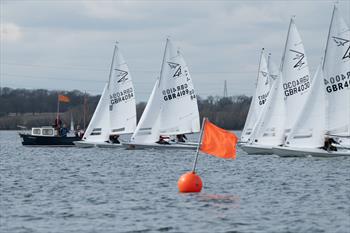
(47, 131)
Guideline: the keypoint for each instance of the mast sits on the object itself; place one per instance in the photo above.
(329, 35)
(84, 111)
(112, 63)
(163, 62)
(285, 46)
(257, 77)
(58, 108)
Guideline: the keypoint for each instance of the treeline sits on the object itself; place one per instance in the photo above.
(31, 108)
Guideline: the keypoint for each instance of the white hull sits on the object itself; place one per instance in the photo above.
(83, 144)
(255, 149)
(109, 145)
(177, 146)
(303, 152)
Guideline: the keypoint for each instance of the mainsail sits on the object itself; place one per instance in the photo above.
(336, 68)
(122, 106)
(172, 107)
(98, 129)
(258, 99)
(309, 129)
(295, 75)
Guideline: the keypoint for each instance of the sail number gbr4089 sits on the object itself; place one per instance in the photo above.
(337, 82)
(179, 91)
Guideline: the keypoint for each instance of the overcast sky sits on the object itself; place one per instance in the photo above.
(67, 44)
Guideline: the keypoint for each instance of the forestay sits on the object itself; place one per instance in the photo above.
(295, 75)
(122, 106)
(336, 69)
(309, 129)
(258, 99)
(98, 129)
(172, 108)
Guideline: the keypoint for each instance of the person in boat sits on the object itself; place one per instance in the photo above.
(328, 144)
(114, 139)
(57, 125)
(181, 138)
(79, 132)
(163, 140)
(64, 131)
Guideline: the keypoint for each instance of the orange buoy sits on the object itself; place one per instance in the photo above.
(190, 182)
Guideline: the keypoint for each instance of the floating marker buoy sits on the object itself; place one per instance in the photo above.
(190, 182)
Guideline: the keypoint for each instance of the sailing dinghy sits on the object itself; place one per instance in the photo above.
(172, 106)
(331, 90)
(289, 92)
(122, 104)
(115, 113)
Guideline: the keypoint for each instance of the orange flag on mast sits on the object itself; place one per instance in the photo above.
(63, 98)
(218, 142)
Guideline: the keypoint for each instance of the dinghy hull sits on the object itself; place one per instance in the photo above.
(83, 144)
(109, 145)
(303, 152)
(256, 149)
(182, 146)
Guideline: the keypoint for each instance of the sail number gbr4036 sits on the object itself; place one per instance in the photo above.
(337, 83)
(295, 86)
(179, 91)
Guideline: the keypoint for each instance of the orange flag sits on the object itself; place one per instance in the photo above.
(218, 142)
(63, 98)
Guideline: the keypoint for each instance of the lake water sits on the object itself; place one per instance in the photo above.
(115, 190)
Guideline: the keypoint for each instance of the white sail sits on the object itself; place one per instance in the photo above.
(336, 70)
(258, 99)
(273, 71)
(270, 129)
(309, 129)
(122, 106)
(147, 130)
(98, 129)
(172, 107)
(295, 75)
(179, 113)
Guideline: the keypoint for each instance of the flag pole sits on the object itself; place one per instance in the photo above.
(58, 108)
(199, 145)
